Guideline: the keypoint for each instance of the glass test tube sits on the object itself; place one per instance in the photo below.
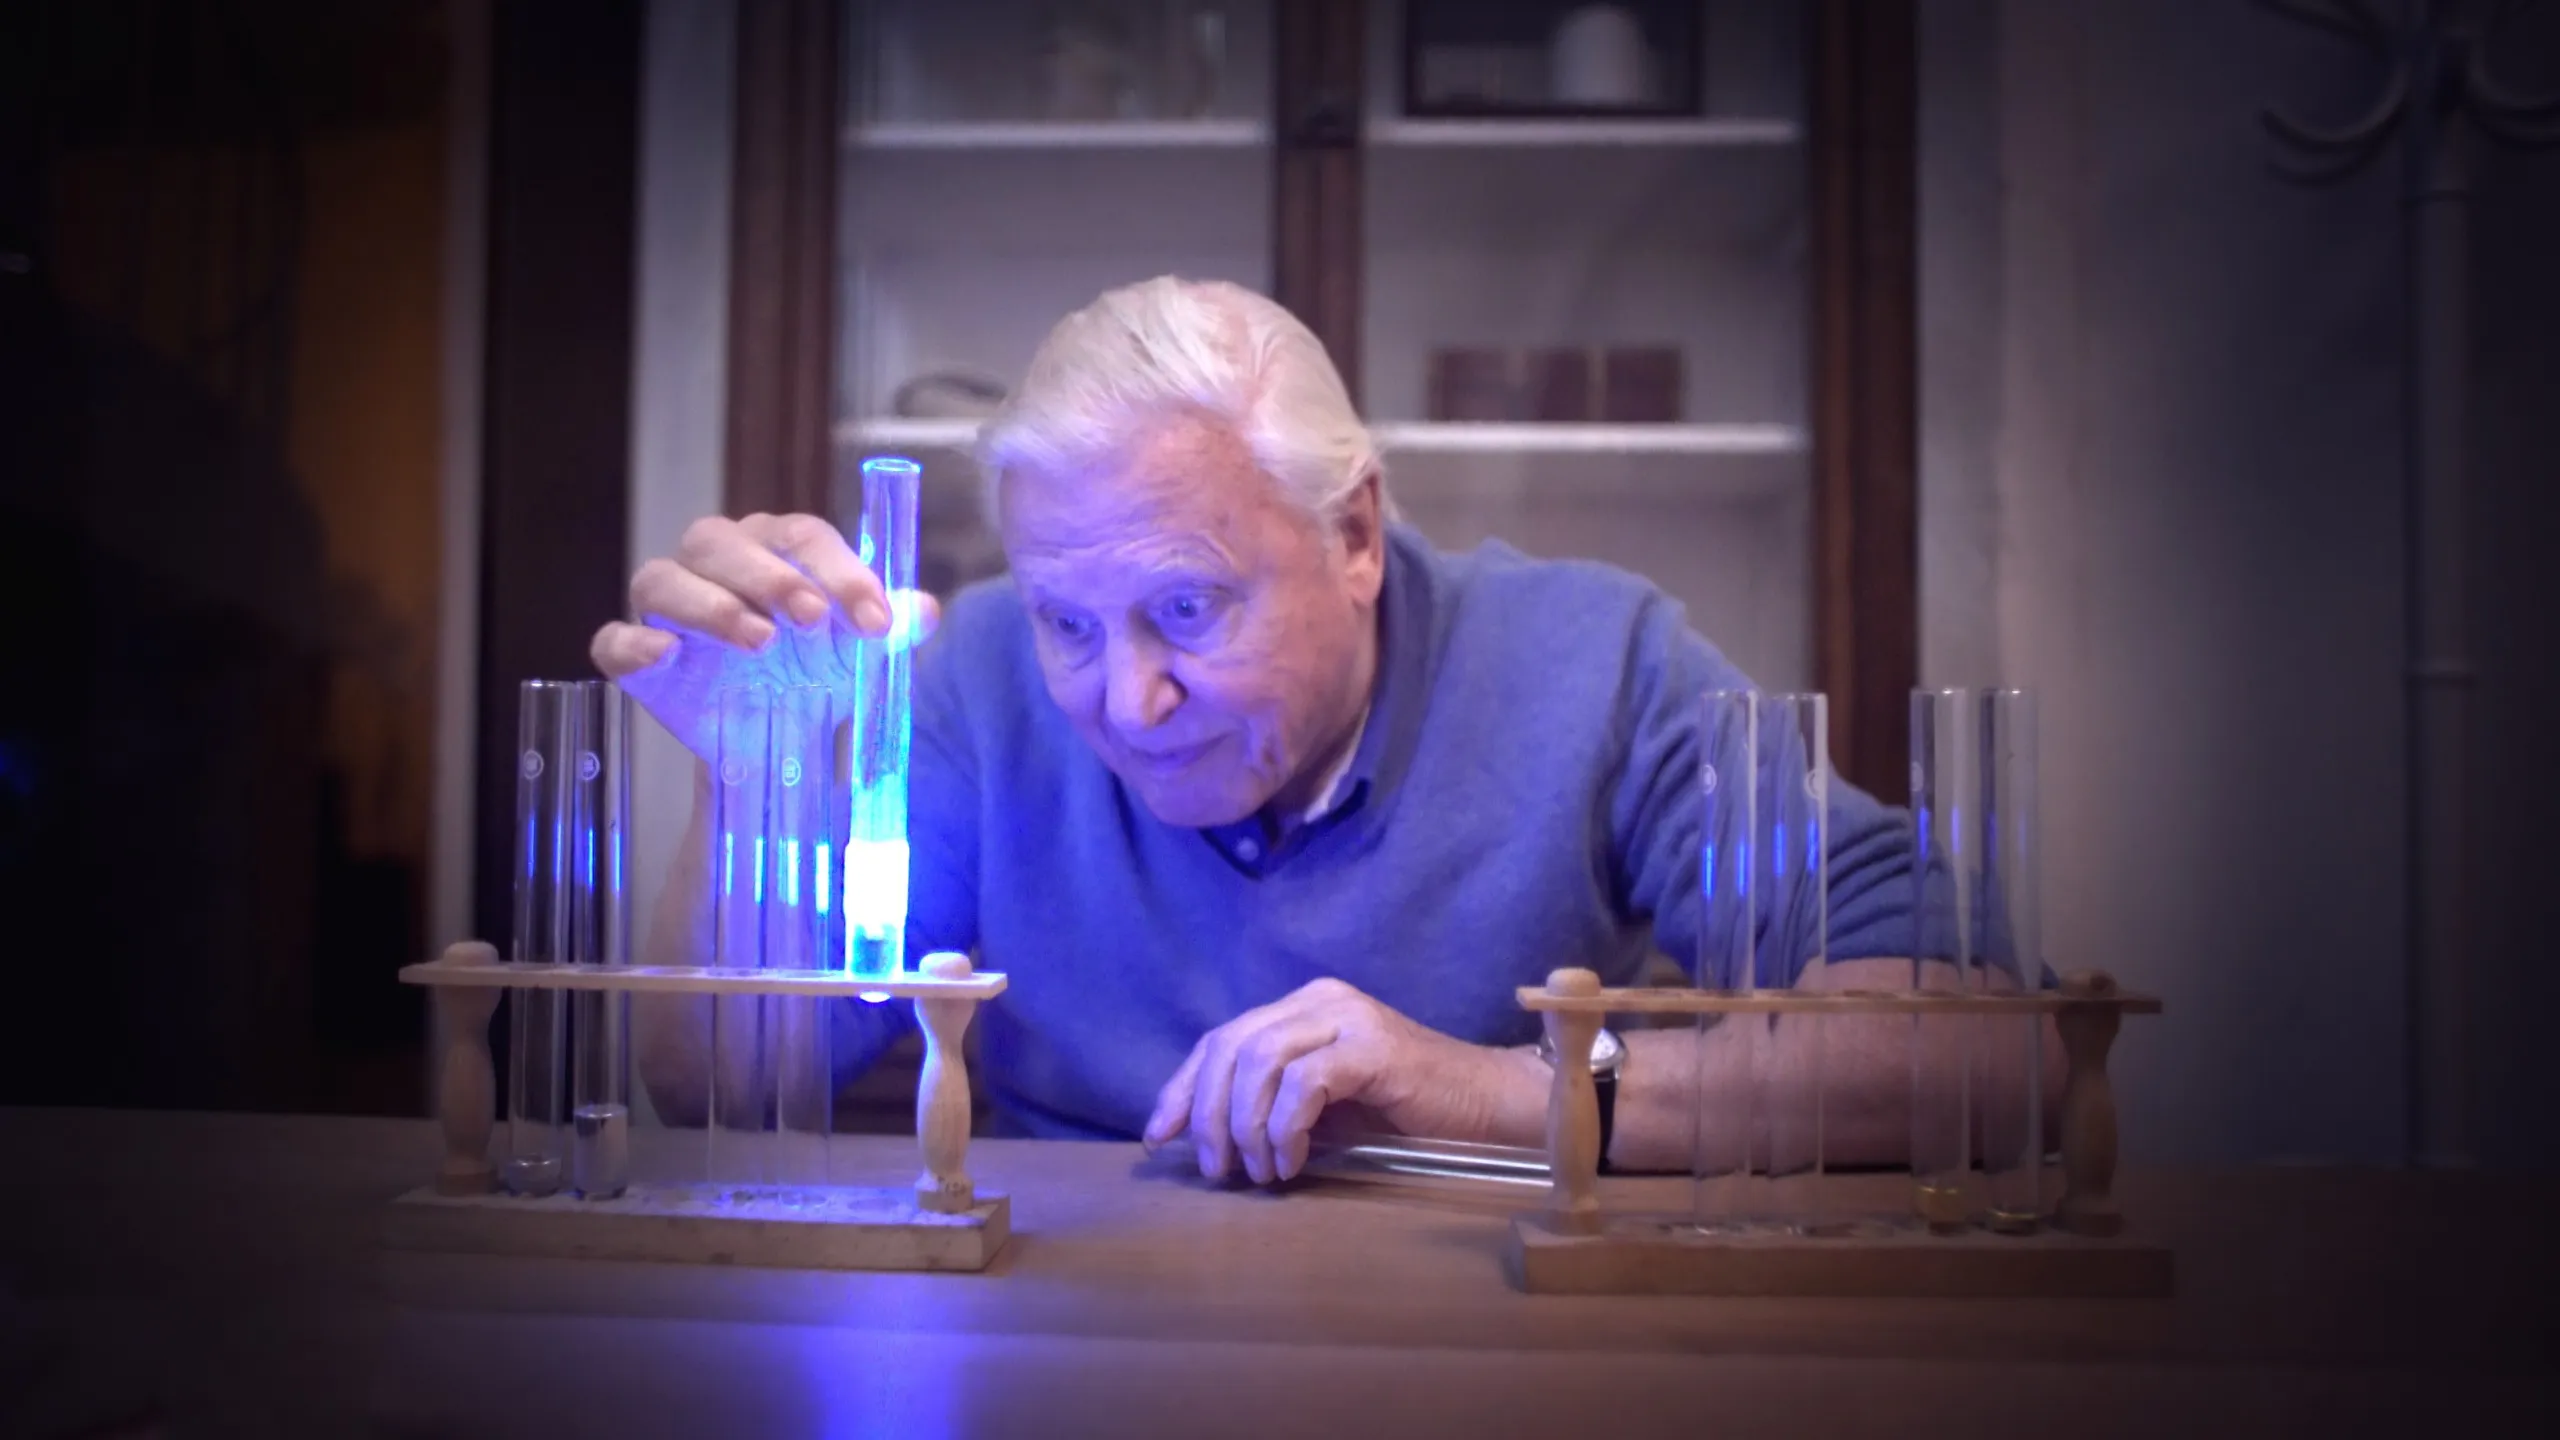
(875, 847)
(798, 924)
(1764, 925)
(771, 904)
(549, 742)
(1792, 842)
(2009, 938)
(1722, 1156)
(600, 1020)
(1943, 860)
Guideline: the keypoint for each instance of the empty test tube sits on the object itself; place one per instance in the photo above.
(600, 1020)
(799, 918)
(875, 848)
(568, 899)
(1723, 1155)
(2009, 938)
(1943, 860)
(1765, 777)
(771, 908)
(1791, 849)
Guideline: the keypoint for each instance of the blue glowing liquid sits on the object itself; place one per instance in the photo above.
(874, 894)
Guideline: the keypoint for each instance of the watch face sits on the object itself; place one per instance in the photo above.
(1606, 1052)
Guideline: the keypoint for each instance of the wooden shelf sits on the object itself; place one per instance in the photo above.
(1462, 438)
(896, 431)
(699, 980)
(1427, 437)
(1525, 134)
(1062, 135)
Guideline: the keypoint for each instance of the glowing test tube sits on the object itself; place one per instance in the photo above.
(1728, 926)
(2009, 938)
(1943, 860)
(599, 1020)
(1791, 845)
(547, 750)
(874, 895)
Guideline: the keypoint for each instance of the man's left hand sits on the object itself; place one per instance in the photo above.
(1255, 1086)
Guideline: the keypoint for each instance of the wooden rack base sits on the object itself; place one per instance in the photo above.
(2077, 1247)
(811, 1228)
(939, 1223)
(1651, 1255)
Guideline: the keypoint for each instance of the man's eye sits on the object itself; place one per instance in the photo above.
(1184, 614)
(1070, 627)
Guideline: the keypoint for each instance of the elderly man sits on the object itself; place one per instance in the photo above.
(1264, 805)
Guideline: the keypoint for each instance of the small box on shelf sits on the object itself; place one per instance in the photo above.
(1556, 384)
(1563, 384)
(1555, 59)
(1472, 384)
(1640, 385)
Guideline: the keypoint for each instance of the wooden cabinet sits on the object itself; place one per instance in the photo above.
(1674, 335)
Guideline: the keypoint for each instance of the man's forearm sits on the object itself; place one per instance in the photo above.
(1860, 1066)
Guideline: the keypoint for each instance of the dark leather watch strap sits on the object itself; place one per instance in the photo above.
(1607, 1088)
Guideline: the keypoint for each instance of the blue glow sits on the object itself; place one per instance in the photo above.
(1708, 871)
(825, 876)
(790, 871)
(876, 867)
(1778, 849)
(759, 869)
(728, 863)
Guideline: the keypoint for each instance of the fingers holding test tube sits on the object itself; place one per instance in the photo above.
(781, 599)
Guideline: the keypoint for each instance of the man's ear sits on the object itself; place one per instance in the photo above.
(1362, 530)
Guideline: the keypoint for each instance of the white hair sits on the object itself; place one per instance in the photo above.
(1146, 353)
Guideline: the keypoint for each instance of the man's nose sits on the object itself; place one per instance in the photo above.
(1139, 693)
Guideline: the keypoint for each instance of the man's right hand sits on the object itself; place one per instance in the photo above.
(780, 599)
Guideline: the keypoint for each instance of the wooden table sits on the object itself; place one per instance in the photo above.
(224, 1269)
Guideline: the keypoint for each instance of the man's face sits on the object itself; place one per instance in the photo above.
(1204, 636)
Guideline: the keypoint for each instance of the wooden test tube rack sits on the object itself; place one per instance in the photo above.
(942, 1223)
(2080, 1248)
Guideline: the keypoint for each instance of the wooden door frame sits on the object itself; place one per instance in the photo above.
(1862, 103)
(778, 452)
(555, 384)
(1318, 96)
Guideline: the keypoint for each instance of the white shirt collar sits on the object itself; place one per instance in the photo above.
(1326, 796)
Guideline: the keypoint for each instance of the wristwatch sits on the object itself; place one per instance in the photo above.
(1608, 1057)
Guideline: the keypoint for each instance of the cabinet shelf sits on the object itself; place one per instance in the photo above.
(1582, 134)
(882, 432)
(1427, 437)
(1473, 438)
(1146, 135)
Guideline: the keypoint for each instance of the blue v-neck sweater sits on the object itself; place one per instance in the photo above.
(1526, 794)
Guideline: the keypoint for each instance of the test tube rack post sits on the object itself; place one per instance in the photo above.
(2081, 1247)
(942, 1223)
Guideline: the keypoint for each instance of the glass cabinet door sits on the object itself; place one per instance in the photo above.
(1005, 162)
(1585, 294)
